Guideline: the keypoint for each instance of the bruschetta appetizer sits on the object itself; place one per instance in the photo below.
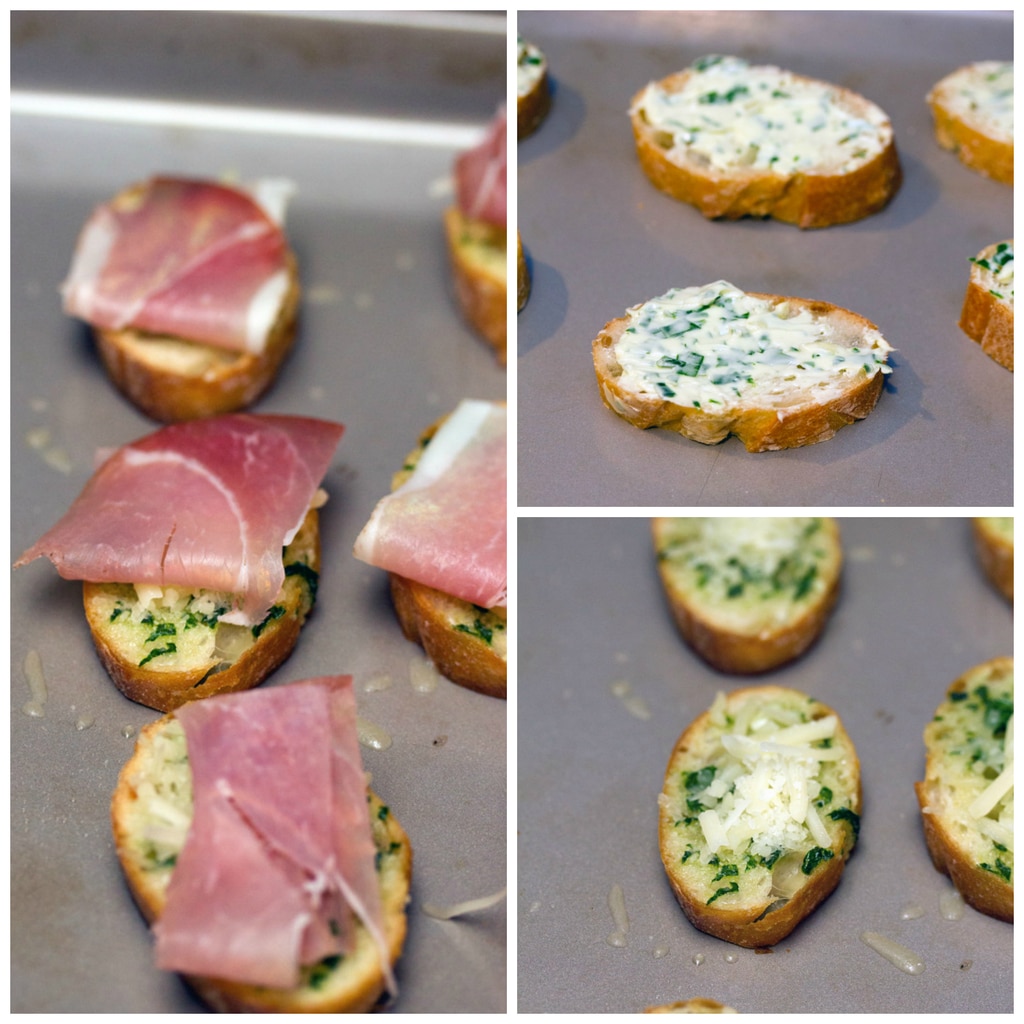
(759, 813)
(987, 314)
(192, 292)
(178, 539)
(441, 535)
(735, 139)
(273, 884)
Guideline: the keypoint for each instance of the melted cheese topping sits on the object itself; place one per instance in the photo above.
(731, 115)
(982, 94)
(530, 67)
(997, 271)
(714, 346)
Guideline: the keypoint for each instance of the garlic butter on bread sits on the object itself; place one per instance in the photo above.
(735, 139)
(749, 594)
(759, 812)
(533, 91)
(713, 360)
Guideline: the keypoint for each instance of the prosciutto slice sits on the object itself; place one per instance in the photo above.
(204, 504)
(446, 526)
(480, 176)
(189, 259)
(280, 854)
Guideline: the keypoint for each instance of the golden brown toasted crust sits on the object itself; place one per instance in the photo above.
(983, 153)
(522, 275)
(172, 379)
(532, 107)
(354, 987)
(762, 919)
(168, 689)
(804, 420)
(722, 642)
(481, 290)
(696, 1005)
(953, 843)
(995, 553)
(808, 200)
(986, 318)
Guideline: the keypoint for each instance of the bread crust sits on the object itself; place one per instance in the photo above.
(480, 290)
(987, 319)
(995, 553)
(696, 1005)
(746, 652)
(165, 690)
(533, 106)
(984, 153)
(807, 199)
(354, 988)
(522, 275)
(948, 840)
(802, 421)
(763, 921)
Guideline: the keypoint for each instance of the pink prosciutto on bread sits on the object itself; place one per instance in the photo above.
(205, 504)
(480, 176)
(186, 259)
(446, 526)
(279, 860)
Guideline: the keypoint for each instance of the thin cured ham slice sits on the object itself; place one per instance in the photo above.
(185, 259)
(205, 504)
(279, 860)
(446, 526)
(480, 176)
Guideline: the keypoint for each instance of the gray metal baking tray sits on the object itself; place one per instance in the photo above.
(381, 348)
(607, 685)
(601, 239)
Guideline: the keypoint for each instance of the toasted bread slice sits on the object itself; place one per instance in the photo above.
(172, 379)
(737, 140)
(168, 647)
(993, 540)
(966, 796)
(759, 813)
(479, 262)
(696, 1005)
(533, 91)
(987, 315)
(466, 643)
(749, 594)
(712, 361)
(151, 810)
(522, 275)
(972, 109)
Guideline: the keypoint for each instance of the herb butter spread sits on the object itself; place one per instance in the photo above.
(997, 271)
(530, 66)
(982, 94)
(714, 347)
(732, 115)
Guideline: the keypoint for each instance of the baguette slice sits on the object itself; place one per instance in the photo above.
(696, 1005)
(749, 594)
(467, 644)
(966, 796)
(478, 260)
(522, 275)
(696, 361)
(158, 771)
(972, 109)
(173, 649)
(993, 540)
(987, 314)
(794, 817)
(701, 136)
(533, 91)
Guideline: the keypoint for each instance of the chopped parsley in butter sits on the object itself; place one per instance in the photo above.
(732, 115)
(530, 66)
(997, 271)
(710, 347)
(982, 93)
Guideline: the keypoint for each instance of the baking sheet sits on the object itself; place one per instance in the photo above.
(601, 238)
(607, 685)
(381, 348)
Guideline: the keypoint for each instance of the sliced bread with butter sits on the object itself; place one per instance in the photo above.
(533, 90)
(713, 360)
(164, 647)
(987, 314)
(151, 812)
(972, 109)
(993, 540)
(749, 594)
(966, 796)
(735, 140)
(759, 813)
